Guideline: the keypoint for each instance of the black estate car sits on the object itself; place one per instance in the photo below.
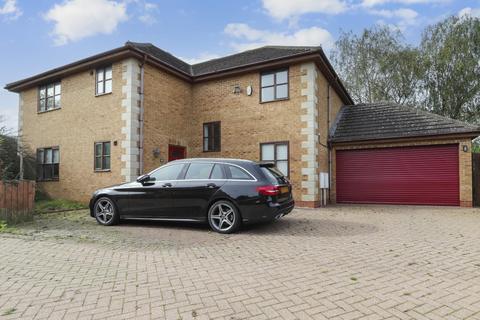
(224, 192)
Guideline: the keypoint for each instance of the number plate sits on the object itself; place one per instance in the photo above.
(284, 190)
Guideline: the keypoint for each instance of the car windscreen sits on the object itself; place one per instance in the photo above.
(273, 174)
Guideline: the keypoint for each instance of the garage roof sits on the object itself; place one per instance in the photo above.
(379, 121)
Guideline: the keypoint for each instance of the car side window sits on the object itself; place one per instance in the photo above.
(217, 172)
(199, 171)
(171, 172)
(238, 174)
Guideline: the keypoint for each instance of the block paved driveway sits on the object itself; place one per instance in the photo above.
(345, 262)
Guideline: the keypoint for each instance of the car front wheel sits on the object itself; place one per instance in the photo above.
(224, 217)
(105, 212)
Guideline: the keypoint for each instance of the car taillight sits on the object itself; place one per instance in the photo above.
(268, 190)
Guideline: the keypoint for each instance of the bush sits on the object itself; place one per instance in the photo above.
(475, 147)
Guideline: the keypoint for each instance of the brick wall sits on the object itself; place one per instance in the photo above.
(82, 120)
(245, 122)
(465, 163)
(167, 115)
(174, 113)
(325, 94)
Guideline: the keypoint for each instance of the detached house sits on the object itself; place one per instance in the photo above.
(108, 118)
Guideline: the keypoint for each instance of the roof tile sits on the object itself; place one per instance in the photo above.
(249, 57)
(388, 121)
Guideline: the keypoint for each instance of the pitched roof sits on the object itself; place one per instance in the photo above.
(258, 55)
(161, 55)
(390, 121)
(247, 59)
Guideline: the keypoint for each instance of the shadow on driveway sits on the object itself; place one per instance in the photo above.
(287, 226)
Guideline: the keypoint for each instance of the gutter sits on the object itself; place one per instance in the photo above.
(373, 141)
(77, 66)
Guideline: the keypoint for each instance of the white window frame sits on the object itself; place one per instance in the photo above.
(103, 71)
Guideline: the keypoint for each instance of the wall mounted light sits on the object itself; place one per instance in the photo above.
(465, 148)
(156, 153)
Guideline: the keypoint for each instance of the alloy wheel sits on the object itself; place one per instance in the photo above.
(104, 210)
(222, 217)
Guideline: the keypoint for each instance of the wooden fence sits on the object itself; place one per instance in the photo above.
(16, 200)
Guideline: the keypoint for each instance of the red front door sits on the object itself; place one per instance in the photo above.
(176, 152)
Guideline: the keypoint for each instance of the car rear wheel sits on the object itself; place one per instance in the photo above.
(106, 212)
(224, 217)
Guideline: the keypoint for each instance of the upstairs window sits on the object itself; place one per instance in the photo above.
(274, 85)
(48, 160)
(104, 80)
(211, 136)
(49, 97)
(102, 156)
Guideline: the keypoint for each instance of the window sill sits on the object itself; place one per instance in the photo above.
(50, 110)
(210, 151)
(102, 94)
(100, 171)
(48, 180)
(276, 100)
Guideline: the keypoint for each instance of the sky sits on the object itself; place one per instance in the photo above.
(38, 35)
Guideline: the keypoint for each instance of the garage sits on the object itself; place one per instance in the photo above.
(426, 175)
(391, 154)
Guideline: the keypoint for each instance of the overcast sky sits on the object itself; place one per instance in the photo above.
(40, 35)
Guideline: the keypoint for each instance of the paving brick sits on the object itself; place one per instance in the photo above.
(409, 263)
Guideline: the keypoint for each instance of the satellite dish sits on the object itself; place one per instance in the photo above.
(249, 90)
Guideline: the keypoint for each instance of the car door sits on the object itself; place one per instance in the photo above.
(153, 198)
(192, 195)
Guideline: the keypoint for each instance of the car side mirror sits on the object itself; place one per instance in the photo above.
(143, 178)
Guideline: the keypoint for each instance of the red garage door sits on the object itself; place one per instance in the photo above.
(406, 175)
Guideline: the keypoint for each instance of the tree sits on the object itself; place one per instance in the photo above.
(451, 55)
(378, 66)
(10, 157)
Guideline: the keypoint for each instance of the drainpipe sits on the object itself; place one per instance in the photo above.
(329, 145)
(141, 116)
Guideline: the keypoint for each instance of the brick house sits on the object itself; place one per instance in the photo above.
(108, 118)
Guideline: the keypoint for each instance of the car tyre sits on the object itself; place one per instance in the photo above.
(106, 212)
(224, 217)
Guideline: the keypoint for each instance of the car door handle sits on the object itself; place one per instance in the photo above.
(167, 185)
(211, 185)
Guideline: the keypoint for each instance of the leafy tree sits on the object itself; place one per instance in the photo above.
(451, 55)
(378, 66)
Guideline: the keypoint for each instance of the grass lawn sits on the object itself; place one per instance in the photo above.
(50, 205)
